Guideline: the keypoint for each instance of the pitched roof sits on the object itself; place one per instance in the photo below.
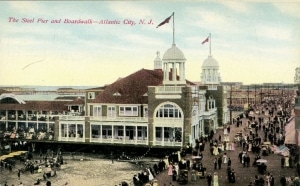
(37, 106)
(2, 91)
(132, 88)
(76, 101)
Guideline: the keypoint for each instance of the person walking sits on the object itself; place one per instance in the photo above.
(282, 162)
(216, 179)
(209, 179)
(220, 162)
(19, 174)
(216, 163)
(283, 180)
(272, 180)
(229, 162)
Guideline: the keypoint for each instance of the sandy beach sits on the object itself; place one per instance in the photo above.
(79, 172)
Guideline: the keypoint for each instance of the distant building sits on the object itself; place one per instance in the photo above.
(297, 76)
(157, 108)
(215, 93)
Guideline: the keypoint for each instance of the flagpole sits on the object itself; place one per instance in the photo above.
(209, 44)
(173, 29)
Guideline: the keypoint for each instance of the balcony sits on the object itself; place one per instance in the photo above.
(119, 140)
(168, 90)
(210, 112)
(175, 122)
(168, 143)
(72, 139)
(71, 118)
(120, 119)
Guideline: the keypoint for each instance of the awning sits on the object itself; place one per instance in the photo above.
(290, 138)
(290, 132)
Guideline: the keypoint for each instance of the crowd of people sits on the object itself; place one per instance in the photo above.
(260, 129)
(45, 165)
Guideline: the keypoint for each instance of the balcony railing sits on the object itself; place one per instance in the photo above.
(168, 89)
(173, 121)
(210, 112)
(137, 141)
(121, 119)
(72, 118)
(72, 139)
(168, 143)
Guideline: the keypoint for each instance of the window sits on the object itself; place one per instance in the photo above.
(166, 132)
(97, 111)
(128, 111)
(111, 111)
(91, 95)
(168, 111)
(145, 112)
(158, 132)
(95, 131)
(106, 131)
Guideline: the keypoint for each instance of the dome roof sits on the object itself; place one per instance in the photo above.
(210, 62)
(174, 53)
(157, 59)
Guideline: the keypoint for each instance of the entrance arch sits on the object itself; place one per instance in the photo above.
(168, 123)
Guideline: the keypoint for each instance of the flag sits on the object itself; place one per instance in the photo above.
(165, 21)
(206, 40)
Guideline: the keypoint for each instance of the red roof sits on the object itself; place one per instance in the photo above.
(77, 101)
(132, 88)
(2, 91)
(37, 106)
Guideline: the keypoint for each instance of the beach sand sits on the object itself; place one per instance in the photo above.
(82, 172)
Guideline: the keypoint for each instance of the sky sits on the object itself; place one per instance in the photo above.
(253, 42)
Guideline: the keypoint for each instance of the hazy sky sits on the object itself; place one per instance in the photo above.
(253, 42)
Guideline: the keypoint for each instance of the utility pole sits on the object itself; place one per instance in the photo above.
(230, 105)
(248, 97)
(255, 94)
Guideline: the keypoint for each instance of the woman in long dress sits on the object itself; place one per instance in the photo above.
(216, 179)
(150, 176)
(287, 163)
(215, 151)
(225, 131)
(225, 158)
(232, 146)
(170, 170)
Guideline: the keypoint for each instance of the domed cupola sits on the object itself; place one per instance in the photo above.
(174, 53)
(174, 66)
(157, 62)
(210, 72)
(210, 62)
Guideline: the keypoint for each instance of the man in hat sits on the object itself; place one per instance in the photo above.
(209, 179)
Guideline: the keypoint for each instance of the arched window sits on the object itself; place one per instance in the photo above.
(168, 111)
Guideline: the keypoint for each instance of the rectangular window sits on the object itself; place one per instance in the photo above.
(95, 130)
(158, 132)
(97, 111)
(91, 95)
(120, 132)
(145, 112)
(128, 111)
(111, 111)
(139, 133)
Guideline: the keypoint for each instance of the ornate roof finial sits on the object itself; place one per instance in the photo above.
(158, 53)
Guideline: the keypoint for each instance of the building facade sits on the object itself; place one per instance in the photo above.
(157, 108)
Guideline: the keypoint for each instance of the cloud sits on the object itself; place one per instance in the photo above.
(274, 33)
(237, 6)
(289, 8)
(23, 7)
(211, 20)
(130, 10)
